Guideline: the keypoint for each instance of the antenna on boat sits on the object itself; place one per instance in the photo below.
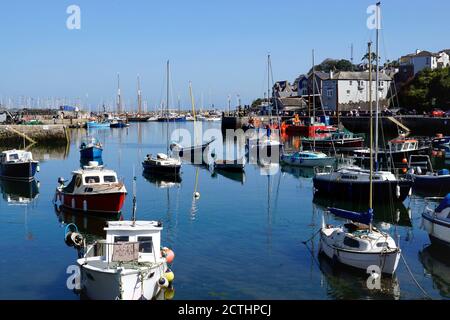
(133, 218)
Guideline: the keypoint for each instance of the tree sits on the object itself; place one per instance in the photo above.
(429, 89)
(373, 58)
(334, 65)
(257, 102)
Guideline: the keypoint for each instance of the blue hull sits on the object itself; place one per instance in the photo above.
(91, 125)
(91, 153)
(435, 186)
(182, 119)
(23, 171)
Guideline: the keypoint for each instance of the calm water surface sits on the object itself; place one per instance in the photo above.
(241, 240)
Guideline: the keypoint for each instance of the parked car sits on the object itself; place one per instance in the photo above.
(437, 113)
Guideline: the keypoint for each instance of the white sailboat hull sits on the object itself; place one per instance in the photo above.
(112, 285)
(438, 229)
(387, 262)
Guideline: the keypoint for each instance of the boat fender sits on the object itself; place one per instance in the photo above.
(196, 195)
(168, 254)
(169, 275)
(397, 191)
(163, 282)
(169, 293)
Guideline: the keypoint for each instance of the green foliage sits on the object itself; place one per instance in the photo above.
(429, 89)
(335, 65)
(257, 102)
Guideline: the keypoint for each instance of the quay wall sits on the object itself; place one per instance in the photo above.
(48, 134)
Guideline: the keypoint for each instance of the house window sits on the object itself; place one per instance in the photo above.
(348, 92)
(351, 82)
(361, 83)
(380, 83)
(329, 92)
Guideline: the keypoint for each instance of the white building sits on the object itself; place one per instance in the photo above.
(345, 91)
(426, 60)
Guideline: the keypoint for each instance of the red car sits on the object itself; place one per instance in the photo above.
(438, 113)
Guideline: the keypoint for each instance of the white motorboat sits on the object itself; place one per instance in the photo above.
(162, 164)
(128, 265)
(437, 222)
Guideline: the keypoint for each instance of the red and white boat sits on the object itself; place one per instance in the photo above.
(93, 189)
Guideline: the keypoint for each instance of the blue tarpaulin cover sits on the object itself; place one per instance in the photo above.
(364, 217)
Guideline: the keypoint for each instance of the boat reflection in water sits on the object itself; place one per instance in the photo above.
(232, 175)
(90, 225)
(19, 192)
(396, 214)
(298, 172)
(436, 262)
(345, 284)
(163, 181)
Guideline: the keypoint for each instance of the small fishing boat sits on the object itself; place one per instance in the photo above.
(425, 180)
(230, 165)
(396, 153)
(18, 165)
(93, 189)
(90, 149)
(304, 127)
(171, 117)
(337, 141)
(119, 123)
(128, 264)
(307, 159)
(161, 164)
(138, 118)
(358, 244)
(437, 222)
(96, 124)
(263, 146)
(352, 183)
(198, 154)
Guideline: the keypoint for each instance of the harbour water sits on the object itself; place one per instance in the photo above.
(242, 239)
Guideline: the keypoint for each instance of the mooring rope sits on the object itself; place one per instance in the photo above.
(414, 279)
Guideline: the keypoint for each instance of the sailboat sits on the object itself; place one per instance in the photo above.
(308, 158)
(197, 153)
(162, 163)
(264, 144)
(352, 182)
(358, 243)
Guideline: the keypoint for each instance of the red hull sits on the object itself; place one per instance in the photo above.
(307, 131)
(101, 203)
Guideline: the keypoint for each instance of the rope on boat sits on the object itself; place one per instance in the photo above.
(313, 236)
(414, 279)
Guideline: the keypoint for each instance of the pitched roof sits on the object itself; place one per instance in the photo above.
(359, 75)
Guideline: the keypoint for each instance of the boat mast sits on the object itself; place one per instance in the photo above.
(139, 95)
(119, 98)
(268, 87)
(377, 15)
(167, 107)
(314, 101)
(371, 128)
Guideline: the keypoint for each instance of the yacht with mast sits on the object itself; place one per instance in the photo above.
(358, 243)
(162, 163)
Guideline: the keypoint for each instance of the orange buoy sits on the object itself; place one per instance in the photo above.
(168, 254)
(405, 160)
(404, 170)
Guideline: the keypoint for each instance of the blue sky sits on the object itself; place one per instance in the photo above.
(220, 45)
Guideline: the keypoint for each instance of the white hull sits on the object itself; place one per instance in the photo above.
(107, 284)
(438, 229)
(362, 260)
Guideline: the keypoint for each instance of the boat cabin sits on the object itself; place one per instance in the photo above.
(401, 145)
(91, 176)
(13, 156)
(127, 241)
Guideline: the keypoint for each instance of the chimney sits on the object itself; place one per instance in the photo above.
(331, 74)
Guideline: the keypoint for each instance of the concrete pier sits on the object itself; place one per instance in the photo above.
(31, 134)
